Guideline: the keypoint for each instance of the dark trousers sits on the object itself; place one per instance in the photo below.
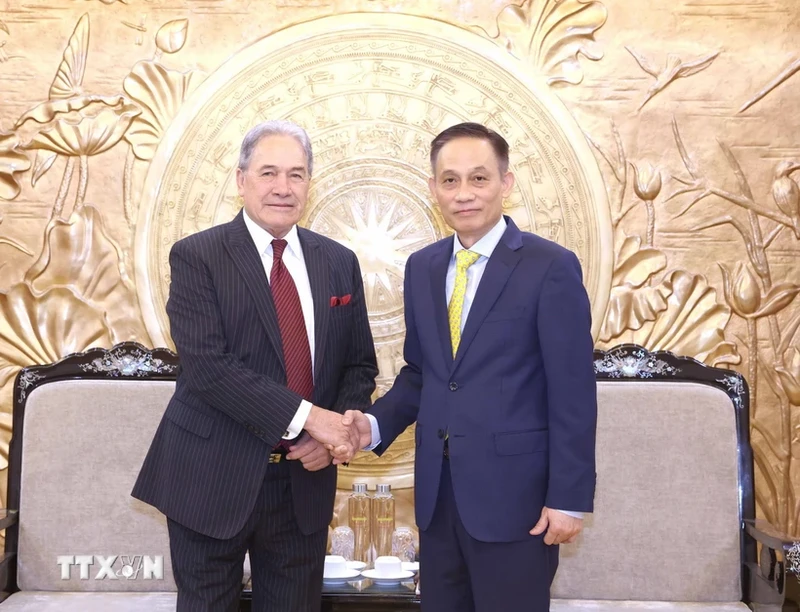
(286, 564)
(461, 574)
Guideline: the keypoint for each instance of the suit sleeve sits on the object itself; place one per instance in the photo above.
(357, 379)
(564, 326)
(399, 408)
(209, 370)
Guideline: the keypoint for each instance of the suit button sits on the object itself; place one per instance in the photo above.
(440, 433)
(453, 386)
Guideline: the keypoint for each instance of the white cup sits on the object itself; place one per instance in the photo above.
(388, 566)
(335, 566)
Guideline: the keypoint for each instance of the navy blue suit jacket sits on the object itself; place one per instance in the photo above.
(231, 406)
(519, 399)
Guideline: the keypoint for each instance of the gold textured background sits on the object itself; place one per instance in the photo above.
(689, 107)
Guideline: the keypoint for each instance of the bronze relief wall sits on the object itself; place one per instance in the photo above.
(660, 142)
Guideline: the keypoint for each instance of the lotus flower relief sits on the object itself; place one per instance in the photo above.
(159, 92)
(647, 186)
(632, 302)
(81, 254)
(42, 328)
(6, 422)
(789, 377)
(78, 126)
(553, 34)
(12, 162)
(694, 322)
(647, 181)
(743, 293)
(680, 314)
(72, 123)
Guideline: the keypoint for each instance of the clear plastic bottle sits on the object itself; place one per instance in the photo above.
(383, 520)
(358, 518)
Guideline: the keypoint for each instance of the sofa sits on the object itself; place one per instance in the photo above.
(674, 525)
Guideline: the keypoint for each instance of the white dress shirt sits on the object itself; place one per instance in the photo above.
(484, 247)
(296, 265)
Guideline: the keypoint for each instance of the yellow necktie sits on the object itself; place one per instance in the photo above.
(464, 259)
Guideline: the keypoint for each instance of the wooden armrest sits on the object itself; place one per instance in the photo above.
(8, 574)
(8, 560)
(8, 518)
(763, 532)
(774, 580)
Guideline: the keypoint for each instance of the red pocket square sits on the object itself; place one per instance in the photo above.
(340, 301)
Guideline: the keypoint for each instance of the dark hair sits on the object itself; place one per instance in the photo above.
(471, 130)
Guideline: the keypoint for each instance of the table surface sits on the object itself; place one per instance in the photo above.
(403, 590)
(360, 596)
(361, 589)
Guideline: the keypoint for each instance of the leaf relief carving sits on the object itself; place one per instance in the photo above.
(159, 92)
(552, 34)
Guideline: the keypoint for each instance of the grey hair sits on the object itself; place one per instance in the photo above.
(274, 127)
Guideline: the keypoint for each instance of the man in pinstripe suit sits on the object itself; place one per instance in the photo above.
(271, 326)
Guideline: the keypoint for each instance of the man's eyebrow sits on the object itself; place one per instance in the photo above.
(274, 167)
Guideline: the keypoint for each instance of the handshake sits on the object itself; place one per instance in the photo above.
(330, 435)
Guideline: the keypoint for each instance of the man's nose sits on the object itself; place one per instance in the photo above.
(281, 185)
(464, 194)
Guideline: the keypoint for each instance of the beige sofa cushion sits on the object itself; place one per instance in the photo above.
(39, 601)
(83, 444)
(666, 520)
(573, 605)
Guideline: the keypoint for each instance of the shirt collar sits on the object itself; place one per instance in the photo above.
(486, 245)
(263, 238)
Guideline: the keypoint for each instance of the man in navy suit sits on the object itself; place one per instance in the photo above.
(271, 327)
(500, 382)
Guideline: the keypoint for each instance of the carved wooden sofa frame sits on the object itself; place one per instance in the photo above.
(44, 523)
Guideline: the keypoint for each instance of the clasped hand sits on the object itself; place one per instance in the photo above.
(341, 436)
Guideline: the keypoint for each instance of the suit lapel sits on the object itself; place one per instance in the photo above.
(318, 276)
(498, 270)
(438, 274)
(243, 251)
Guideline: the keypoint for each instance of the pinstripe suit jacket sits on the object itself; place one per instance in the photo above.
(209, 456)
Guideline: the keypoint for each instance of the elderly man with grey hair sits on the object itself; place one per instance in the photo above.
(270, 323)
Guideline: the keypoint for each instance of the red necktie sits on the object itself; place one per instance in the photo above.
(296, 353)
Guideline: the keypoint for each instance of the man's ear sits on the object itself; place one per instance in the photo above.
(508, 183)
(240, 181)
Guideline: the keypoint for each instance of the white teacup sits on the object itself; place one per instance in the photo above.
(388, 566)
(335, 566)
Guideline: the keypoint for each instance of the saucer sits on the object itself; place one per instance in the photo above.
(350, 574)
(357, 565)
(409, 566)
(380, 580)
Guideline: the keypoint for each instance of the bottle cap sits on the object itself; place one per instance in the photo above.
(383, 488)
(359, 487)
